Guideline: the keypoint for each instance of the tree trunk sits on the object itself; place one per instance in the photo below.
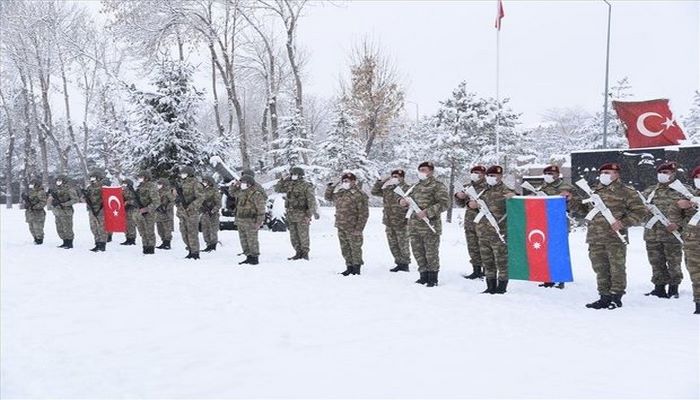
(41, 136)
(10, 153)
(450, 191)
(69, 122)
(217, 114)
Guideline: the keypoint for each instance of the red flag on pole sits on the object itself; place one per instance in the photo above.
(648, 123)
(499, 14)
(114, 210)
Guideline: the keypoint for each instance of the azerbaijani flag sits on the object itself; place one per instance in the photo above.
(538, 239)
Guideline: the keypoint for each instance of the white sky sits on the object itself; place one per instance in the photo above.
(552, 52)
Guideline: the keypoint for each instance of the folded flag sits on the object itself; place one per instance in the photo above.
(114, 209)
(538, 239)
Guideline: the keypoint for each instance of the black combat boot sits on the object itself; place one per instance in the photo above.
(400, 267)
(145, 249)
(189, 255)
(560, 285)
(546, 284)
(38, 241)
(96, 248)
(490, 286)
(195, 255)
(296, 256)
(164, 246)
(672, 291)
(348, 270)
(356, 269)
(697, 308)
(423, 278)
(128, 242)
(659, 291)
(210, 247)
(501, 287)
(68, 244)
(109, 237)
(254, 260)
(62, 245)
(615, 301)
(246, 261)
(601, 303)
(432, 279)
(305, 255)
(101, 246)
(477, 274)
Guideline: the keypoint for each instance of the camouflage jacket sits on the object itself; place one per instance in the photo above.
(626, 207)
(251, 205)
(211, 200)
(431, 196)
(351, 207)
(300, 201)
(664, 198)
(149, 196)
(495, 198)
(681, 217)
(470, 213)
(93, 197)
(35, 200)
(167, 200)
(191, 192)
(64, 197)
(394, 214)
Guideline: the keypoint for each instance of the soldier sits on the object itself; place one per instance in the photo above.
(189, 198)
(554, 185)
(34, 214)
(131, 211)
(664, 250)
(606, 250)
(351, 214)
(165, 218)
(680, 214)
(492, 245)
(93, 201)
(300, 205)
(148, 200)
(61, 200)
(250, 216)
(396, 225)
(211, 203)
(430, 195)
(476, 175)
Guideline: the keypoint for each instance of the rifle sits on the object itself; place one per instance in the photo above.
(598, 206)
(139, 204)
(54, 198)
(89, 203)
(527, 185)
(181, 196)
(658, 216)
(412, 206)
(484, 211)
(680, 188)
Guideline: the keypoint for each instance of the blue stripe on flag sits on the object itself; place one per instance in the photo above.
(558, 241)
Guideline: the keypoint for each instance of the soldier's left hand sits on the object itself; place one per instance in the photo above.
(143, 210)
(316, 216)
(422, 214)
(672, 227)
(685, 203)
(403, 203)
(616, 226)
(566, 194)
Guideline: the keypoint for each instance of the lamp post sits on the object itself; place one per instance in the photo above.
(607, 70)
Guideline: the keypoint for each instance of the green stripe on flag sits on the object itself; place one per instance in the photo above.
(517, 253)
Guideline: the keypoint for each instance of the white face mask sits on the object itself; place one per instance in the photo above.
(697, 183)
(244, 186)
(393, 181)
(31, 186)
(295, 177)
(59, 183)
(93, 179)
(663, 178)
(549, 178)
(160, 186)
(183, 176)
(475, 177)
(124, 185)
(346, 185)
(605, 179)
(491, 180)
(422, 176)
(140, 180)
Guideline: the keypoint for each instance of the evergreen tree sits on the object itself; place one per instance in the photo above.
(293, 145)
(691, 123)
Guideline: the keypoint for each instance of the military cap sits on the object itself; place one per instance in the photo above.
(667, 166)
(399, 172)
(610, 167)
(348, 175)
(696, 171)
(495, 169)
(478, 168)
(296, 171)
(553, 169)
(428, 164)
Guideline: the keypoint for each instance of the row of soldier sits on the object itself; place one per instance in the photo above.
(152, 205)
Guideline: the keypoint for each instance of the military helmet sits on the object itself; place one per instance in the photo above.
(296, 171)
(209, 179)
(187, 170)
(99, 175)
(63, 178)
(146, 174)
(35, 181)
(248, 172)
(128, 181)
(248, 179)
(164, 181)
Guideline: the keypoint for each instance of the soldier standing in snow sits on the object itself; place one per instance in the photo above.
(165, 218)
(300, 205)
(148, 200)
(93, 200)
(188, 192)
(250, 215)
(34, 203)
(394, 218)
(131, 212)
(61, 200)
(211, 204)
(477, 174)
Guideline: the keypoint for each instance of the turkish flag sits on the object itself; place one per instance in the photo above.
(648, 123)
(499, 14)
(114, 210)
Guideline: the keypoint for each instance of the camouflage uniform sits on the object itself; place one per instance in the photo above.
(34, 214)
(149, 197)
(93, 203)
(131, 211)
(351, 214)
(494, 253)
(394, 220)
(250, 215)
(188, 213)
(165, 214)
(664, 251)
(605, 250)
(211, 203)
(300, 205)
(470, 227)
(691, 247)
(63, 198)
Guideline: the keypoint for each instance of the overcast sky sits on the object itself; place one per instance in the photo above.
(552, 52)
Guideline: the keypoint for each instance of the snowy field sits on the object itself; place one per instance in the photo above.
(120, 324)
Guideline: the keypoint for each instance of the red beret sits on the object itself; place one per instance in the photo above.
(667, 166)
(428, 164)
(399, 172)
(610, 167)
(348, 175)
(696, 171)
(495, 169)
(478, 168)
(551, 168)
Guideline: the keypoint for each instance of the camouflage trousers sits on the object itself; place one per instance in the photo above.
(248, 235)
(692, 263)
(665, 259)
(131, 216)
(189, 230)
(299, 236)
(397, 236)
(165, 225)
(608, 261)
(351, 247)
(97, 226)
(64, 223)
(146, 224)
(473, 244)
(494, 257)
(425, 246)
(35, 220)
(210, 227)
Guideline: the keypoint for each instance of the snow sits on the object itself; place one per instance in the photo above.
(75, 324)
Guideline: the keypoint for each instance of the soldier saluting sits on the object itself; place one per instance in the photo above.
(34, 214)
(300, 206)
(394, 218)
(478, 182)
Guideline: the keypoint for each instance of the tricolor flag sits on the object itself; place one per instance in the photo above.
(114, 209)
(538, 239)
(499, 14)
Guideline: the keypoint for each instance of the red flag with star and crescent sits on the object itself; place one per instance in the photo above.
(114, 209)
(648, 123)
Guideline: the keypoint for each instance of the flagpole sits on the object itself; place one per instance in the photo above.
(498, 102)
(607, 69)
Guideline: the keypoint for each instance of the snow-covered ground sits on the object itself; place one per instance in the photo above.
(120, 324)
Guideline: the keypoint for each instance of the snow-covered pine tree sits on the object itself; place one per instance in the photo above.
(691, 123)
(341, 151)
(292, 145)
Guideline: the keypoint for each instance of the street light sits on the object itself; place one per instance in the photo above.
(607, 69)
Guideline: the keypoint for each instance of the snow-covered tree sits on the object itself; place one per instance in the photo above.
(292, 145)
(691, 123)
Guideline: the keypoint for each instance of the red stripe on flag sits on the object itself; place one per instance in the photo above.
(536, 241)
